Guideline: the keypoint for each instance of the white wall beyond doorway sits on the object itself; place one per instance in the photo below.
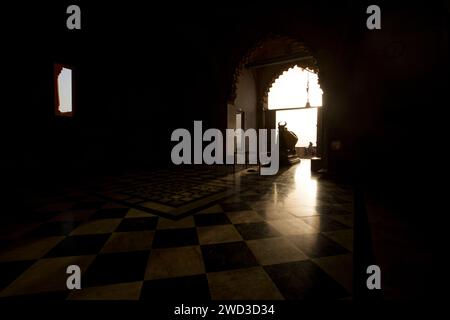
(303, 122)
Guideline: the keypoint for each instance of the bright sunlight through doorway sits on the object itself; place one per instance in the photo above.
(289, 96)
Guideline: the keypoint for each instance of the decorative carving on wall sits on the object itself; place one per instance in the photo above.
(310, 64)
(269, 47)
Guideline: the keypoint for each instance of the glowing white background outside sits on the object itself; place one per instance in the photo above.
(289, 91)
(65, 90)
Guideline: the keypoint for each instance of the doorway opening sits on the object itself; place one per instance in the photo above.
(296, 97)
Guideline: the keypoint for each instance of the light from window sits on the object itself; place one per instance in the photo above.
(64, 90)
(238, 126)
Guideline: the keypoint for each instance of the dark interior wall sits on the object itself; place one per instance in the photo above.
(247, 98)
(141, 73)
(398, 76)
(134, 85)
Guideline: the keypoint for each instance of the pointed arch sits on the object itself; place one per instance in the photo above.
(269, 47)
(295, 76)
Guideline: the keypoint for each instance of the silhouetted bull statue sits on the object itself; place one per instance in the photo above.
(287, 142)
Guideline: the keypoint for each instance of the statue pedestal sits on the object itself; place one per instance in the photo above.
(289, 160)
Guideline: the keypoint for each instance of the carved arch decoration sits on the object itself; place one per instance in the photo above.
(273, 46)
(268, 84)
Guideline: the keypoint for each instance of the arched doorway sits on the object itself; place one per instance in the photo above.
(257, 73)
(296, 97)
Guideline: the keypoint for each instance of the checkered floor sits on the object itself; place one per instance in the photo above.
(171, 194)
(282, 237)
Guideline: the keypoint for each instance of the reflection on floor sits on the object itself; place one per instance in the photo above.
(283, 237)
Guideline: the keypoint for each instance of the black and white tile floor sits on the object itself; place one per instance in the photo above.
(284, 237)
